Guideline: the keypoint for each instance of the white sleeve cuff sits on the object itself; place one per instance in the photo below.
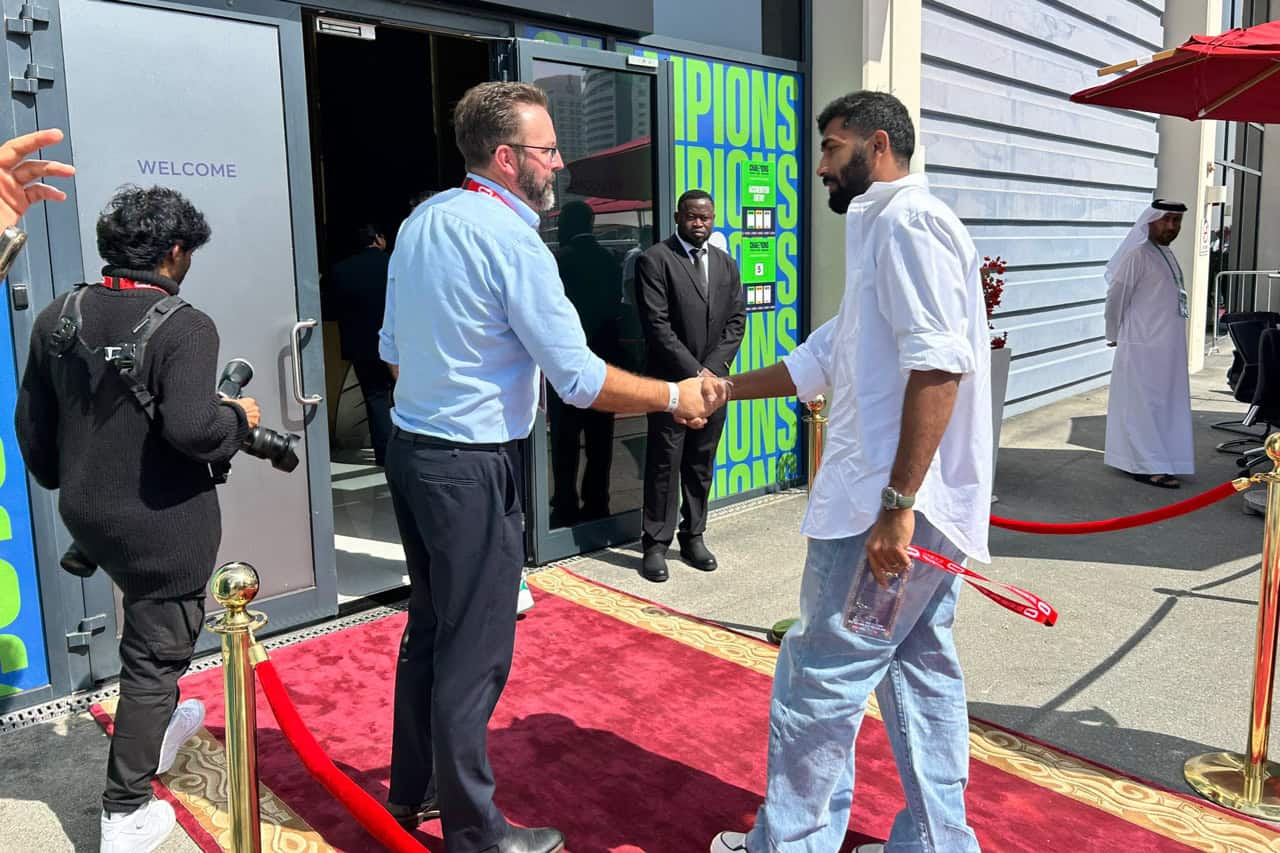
(936, 350)
(806, 372)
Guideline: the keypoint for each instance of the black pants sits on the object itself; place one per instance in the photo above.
(375, 384)
(569, 425)
(674, 452)
(156, 644)
(459, 513)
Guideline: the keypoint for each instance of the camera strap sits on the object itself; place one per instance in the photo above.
(128, 357)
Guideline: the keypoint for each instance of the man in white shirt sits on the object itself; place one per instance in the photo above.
(907, 461)
(1149, 408)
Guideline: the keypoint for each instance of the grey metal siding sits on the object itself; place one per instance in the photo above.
(1049, 185)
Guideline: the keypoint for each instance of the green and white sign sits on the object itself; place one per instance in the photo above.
(758, 189)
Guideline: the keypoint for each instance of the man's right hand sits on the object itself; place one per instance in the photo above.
(700, 396)
(250, 406)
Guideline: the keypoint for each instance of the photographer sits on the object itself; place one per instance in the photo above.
(129, 444)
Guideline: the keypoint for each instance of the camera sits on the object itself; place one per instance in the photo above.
(262, 442)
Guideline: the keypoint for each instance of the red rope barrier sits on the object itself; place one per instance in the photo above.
(1124, 522)
(364, 808)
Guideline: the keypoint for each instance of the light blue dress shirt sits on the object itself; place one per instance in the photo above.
(475, 307)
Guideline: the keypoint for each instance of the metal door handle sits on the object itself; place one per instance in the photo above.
(295, 345)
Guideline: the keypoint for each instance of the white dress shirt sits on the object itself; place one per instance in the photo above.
(913, 299)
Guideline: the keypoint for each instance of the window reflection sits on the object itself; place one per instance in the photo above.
(602, 222)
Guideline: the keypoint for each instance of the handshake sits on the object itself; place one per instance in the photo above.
(700, 397)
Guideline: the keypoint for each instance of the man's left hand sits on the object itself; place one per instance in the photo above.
(19, 177)
(887, 544)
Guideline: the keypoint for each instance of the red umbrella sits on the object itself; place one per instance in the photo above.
(1233, 77)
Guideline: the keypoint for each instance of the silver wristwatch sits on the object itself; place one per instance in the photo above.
(891, 498)
(12, 239)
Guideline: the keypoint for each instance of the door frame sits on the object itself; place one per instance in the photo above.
(545, 544)
(62, 244)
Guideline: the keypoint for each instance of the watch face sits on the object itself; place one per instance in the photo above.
(888, 498)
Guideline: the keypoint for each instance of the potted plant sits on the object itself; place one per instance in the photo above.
(992, 271)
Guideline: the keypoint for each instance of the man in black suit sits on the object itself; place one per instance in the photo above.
(693, 314)
(357, 293)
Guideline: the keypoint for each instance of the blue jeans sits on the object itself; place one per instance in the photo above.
(824, 678)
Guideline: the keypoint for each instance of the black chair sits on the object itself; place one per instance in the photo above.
(1245, 330)
(1265, 405)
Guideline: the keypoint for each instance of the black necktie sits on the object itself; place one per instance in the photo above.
(700, 268)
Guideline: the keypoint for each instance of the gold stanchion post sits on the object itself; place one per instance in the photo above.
(233, 586)
(1250, 783)
(817, 422)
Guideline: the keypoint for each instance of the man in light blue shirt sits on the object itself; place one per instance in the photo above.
(475, 309)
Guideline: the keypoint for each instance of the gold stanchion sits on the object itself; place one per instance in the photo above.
(1250, 783)
(233, 586)
(817, 422)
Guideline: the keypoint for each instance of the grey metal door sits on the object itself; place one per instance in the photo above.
(210, 99)
(613, 123)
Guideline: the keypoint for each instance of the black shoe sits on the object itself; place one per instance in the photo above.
(695, 553)
(654, 567)
(411, 817)
(544, 839)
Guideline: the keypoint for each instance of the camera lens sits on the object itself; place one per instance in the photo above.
(266, 443)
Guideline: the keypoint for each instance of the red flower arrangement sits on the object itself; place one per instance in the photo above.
(992, 290)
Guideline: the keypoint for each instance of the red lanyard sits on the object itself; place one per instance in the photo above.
(115, 283)
(1032, 606)
(475, 186)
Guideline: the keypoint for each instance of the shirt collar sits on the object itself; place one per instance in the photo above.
(688, 247)
(527, 213)
(880, 192)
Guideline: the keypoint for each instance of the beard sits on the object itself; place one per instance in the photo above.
(854, 180)
(541, 194)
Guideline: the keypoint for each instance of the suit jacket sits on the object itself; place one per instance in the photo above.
(357, 296)
(685, 331)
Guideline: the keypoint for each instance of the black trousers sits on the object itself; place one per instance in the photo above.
(375, 384)
(459, 513)
(156, 644)
(574, 432)
(676, 453)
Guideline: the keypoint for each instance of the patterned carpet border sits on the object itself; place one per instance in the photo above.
(198, 783)
(1199, 826)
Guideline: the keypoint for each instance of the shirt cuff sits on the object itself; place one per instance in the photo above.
(943, 351)
(387, 351)
(806, 372)
(590, 383)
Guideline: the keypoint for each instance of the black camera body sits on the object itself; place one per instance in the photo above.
(262, 442)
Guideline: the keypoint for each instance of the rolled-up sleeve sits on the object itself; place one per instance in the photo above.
(386, 335)
(810, 363)
(924, 294)
(547, 325)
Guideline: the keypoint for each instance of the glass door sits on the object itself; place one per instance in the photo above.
(612, 116)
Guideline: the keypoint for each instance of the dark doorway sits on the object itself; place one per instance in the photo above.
(381, 139)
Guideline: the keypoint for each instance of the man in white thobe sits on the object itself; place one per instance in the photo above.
(1149, 410)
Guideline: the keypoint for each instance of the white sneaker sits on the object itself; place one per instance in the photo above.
(525, 601)
(187, 719)
(139, 831)
(729, 842)
(869, 848)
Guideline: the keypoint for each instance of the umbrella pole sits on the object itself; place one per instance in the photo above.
(1250, 783)
(1241, 89)
(1134, 63)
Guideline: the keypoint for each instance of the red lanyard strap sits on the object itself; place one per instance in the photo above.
(472, 185)
(1032, 606)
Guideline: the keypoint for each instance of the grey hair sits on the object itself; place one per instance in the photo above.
(488, 116)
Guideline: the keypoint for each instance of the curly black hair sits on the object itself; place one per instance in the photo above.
(139, 226)
(865, 112)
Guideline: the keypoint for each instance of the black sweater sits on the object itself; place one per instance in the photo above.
(137, 495)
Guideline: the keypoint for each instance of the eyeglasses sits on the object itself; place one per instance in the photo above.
(554, 152)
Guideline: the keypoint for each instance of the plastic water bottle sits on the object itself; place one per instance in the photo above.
(871, 610)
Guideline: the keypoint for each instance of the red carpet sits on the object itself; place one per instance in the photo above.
(626, 740)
